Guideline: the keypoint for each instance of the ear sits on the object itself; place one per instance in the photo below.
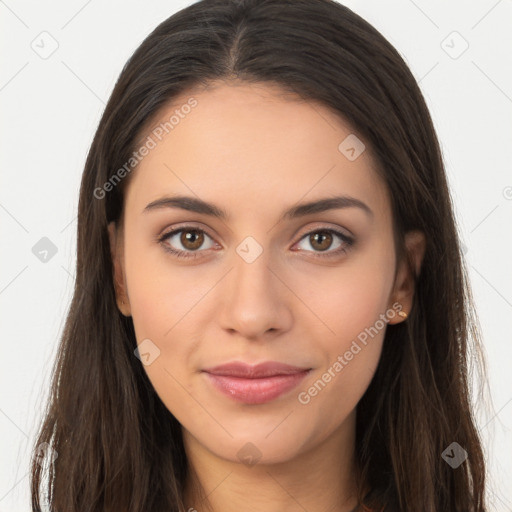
(117, 254)
(409, 268)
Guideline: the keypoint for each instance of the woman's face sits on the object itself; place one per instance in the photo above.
(256, 285)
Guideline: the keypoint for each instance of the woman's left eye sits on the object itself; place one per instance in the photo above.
(192, 239)
(322, 240)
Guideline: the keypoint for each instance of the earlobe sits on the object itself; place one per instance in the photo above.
(410, 267)
(118, 271)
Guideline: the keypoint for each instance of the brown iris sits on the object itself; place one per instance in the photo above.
(192, 239)
(319, 238)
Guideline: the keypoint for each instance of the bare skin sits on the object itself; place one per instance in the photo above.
(255, 154)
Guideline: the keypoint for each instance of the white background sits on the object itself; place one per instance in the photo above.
(50, 110)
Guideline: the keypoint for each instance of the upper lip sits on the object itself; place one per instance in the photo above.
(265, 369)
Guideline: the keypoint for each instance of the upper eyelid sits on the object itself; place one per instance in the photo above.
(177, 229)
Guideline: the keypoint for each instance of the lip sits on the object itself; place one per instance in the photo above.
(256, 384)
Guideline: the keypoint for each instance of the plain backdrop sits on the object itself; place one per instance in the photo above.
(60, 62)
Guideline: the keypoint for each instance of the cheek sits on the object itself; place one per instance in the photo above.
(162, 293)
(350, 359)
(167, 306)
(160, 313)
(348, 298)
(354, 305)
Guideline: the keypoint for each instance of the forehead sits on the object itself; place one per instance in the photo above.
(252, 147)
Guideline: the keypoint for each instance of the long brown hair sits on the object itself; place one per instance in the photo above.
(117, 446)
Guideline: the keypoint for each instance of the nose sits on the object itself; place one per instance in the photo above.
(255, 301)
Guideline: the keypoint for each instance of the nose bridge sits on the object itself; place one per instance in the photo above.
(252, 275)
(256, 303)
(252, 269)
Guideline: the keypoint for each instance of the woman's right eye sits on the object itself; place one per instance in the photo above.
(191, 239)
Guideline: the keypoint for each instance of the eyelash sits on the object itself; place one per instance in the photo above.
(194, 254)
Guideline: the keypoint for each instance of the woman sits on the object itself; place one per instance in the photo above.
(271, 309)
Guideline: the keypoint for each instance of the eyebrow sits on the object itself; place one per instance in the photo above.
(194, 204)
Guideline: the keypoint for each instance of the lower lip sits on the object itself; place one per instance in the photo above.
(256, 391)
